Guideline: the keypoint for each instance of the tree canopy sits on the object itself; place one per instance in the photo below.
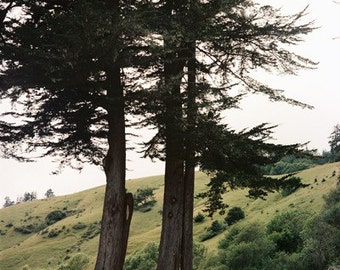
(76, 68)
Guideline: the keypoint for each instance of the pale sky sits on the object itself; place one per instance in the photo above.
(319, 88)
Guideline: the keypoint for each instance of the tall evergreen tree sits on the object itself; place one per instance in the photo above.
(210, 48)
(63, 63)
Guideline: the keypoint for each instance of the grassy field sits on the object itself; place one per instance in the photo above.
(49, 247)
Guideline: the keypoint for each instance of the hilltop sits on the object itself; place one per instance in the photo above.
(26, 241)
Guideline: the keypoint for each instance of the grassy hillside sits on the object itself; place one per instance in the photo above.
(25, 242)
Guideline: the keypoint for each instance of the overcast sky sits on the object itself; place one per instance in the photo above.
(319, 88)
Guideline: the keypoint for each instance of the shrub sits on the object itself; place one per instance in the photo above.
(144, 259)
(235, 214)
(144, 198)
(31, 228)
(199, 218)
(286, 230)
(79, 226)
(215, 229)
(92, 231)
(246, 248)
(53, 233)
(291, 185)
(54, 216)
(78, 262)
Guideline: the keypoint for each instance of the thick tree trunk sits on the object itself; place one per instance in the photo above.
(171, 236)
(189, 177)
(117, 211)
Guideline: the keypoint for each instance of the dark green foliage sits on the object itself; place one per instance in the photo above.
(235, 161)
(291, 185)
(286, 230)
(234, 214)
(54, 216)
(288, 164)
(334, 143)
(31, 228)
(246, 248)
(199, 218)
(215, 228)
(146, 258)
(293, 240)
(144, 199)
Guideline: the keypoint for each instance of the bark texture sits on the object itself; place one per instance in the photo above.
(117, 211)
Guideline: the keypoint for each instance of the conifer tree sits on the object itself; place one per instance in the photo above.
(210, 48)
(62, 68)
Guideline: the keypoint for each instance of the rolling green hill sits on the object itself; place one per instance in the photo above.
(27, 243)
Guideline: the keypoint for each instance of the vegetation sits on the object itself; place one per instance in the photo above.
(199, 218)
(49, 193)
(144, 199)
(234, 214)
(288, 164)
(74, 110)
(8, 202)
(85, 208)
(334, 143)
(54, 216)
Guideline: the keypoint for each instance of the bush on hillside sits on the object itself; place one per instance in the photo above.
(286, 229)
(77, 262)
(234, 214)
(245, 248)
(54, 216)
(144, 199)
(216, 228)
(199, 218)
(146, 258)
(31, 228)
(290, 185)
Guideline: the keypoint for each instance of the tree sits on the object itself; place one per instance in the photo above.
(8, 202)
(63, 63)
(225, 40)
(334, 143)
(49, 193)
(73, 96)
(29, 196)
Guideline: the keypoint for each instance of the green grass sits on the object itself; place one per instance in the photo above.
(38, 251)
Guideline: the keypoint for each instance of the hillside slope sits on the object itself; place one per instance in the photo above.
(26, 242)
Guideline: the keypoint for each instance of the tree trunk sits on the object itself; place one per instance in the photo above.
(117, 211)
(189, 176)
(172, 221)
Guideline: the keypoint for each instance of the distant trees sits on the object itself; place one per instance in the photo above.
(289, 164)
(8, 202)
(49, 193)
(29, 196)
(334, 143)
